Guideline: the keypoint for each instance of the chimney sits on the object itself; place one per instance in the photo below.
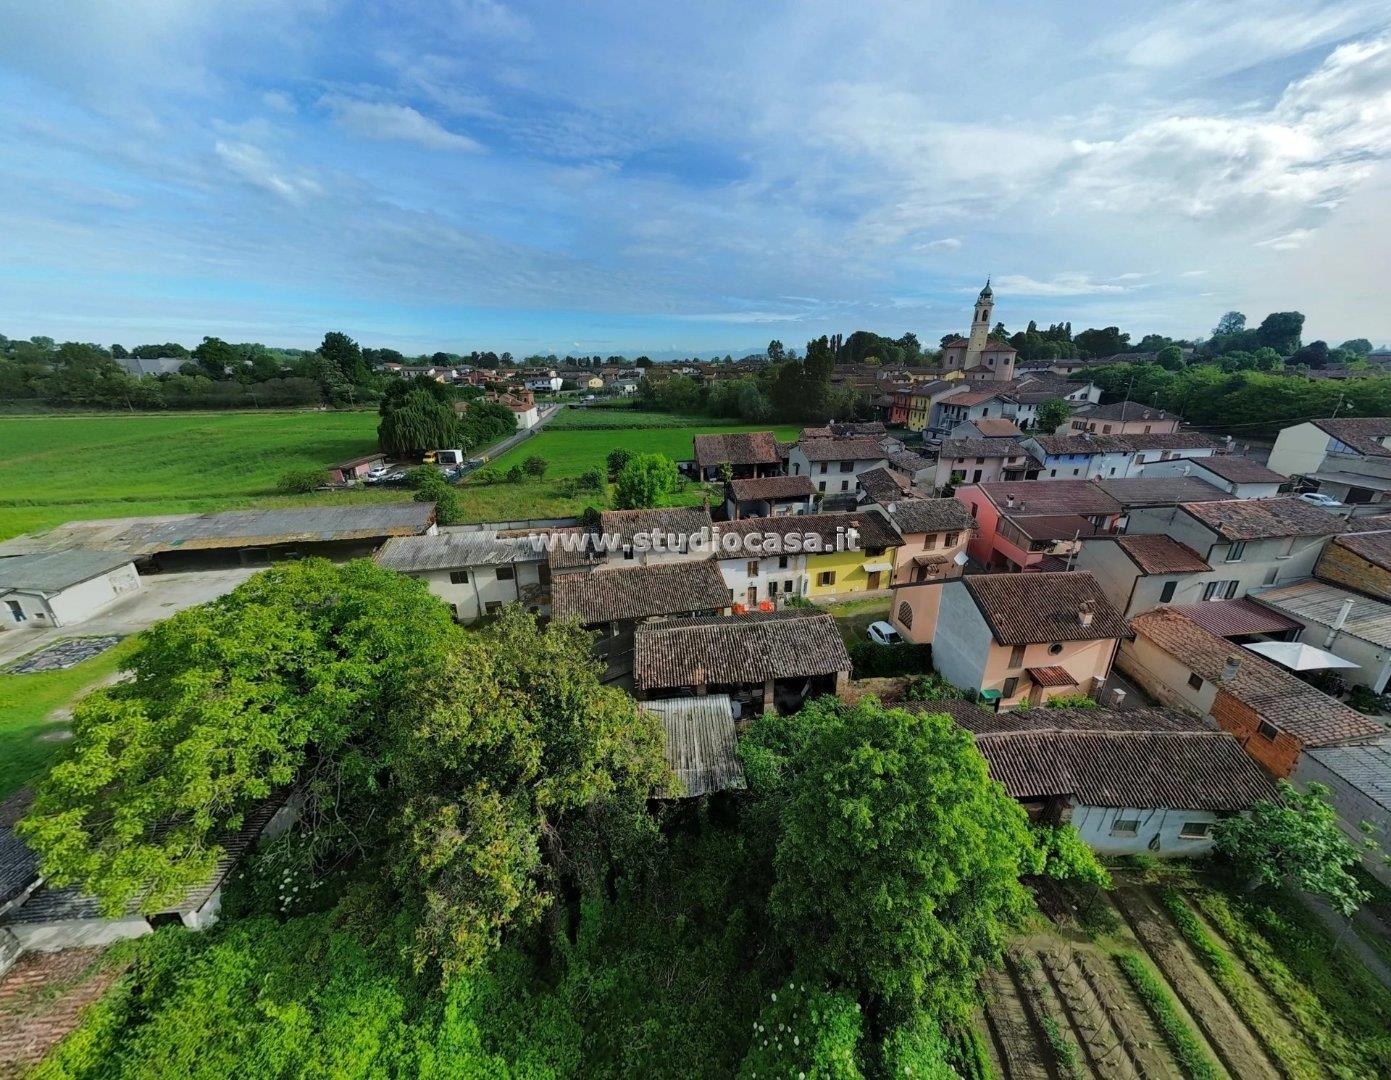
(1009, 502)
(1187, 469)
(1117, 697)
(1086, 613)
(1230, 668)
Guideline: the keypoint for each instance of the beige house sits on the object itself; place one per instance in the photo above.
(935, 532)
(1016, 638)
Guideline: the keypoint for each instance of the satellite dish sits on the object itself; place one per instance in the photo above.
(961, 558)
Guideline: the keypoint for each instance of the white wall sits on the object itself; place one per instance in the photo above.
(1299, 450)
(74, 604)
(769, 572)
(962, 642)
(1157, 834)
(470, 599)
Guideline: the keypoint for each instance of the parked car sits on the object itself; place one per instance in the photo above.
(376, 474)
(883, 633)
(1318, 498)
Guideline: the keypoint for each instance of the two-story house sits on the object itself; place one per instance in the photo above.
(1348, 458)
(982, 461)
(1021, 524)
(1015, 638)
(1248, 543)
(475, 573)
(933, 551)
(833, 464)
(1122, 418)
(1240, 477)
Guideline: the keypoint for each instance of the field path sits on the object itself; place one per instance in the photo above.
(1224, 1030)
(1019, 1047)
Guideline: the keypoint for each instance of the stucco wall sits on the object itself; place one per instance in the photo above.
(470, 599)
(963, 641)
(1353, 808)
(1298, 450)
(1157, 834)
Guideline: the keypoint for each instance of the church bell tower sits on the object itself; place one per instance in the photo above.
(980, 325)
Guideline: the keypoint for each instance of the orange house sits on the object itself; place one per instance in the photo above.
(935, 533)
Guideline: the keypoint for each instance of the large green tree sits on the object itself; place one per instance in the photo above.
(898, 858)
(645, 481)
(1052, 414)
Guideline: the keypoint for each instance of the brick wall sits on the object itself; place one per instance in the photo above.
(1342, 567)
(1278, 755)
(42, 999)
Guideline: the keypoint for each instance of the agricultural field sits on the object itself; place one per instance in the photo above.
(584, 419)
(1169, 975)
(57, 468)
(60, 468)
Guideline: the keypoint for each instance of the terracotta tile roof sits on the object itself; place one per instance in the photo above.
(883, 485)
(772, 487)
(1361, 433)
(908, 462)
(995, 427)
(1261, 519)
(1051, 676)
(738, 649)
(1050, 497)
(1161, 555)
(1239, 470)
(875, 531)
(863, 449)
(1138, 769)
(950, 449)
(685, 520)
(1142, 491)
(1026, 608)
(1053, 526)
(1045, 719)
(1171, 440)
(932, 515)
(736, 448)
(639, 592)
(1124, 410)
(1059, 445)
(1237, 618)
(1280, 698)
(1376, 523)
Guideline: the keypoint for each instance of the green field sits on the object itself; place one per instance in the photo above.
(27, 700)
(59, 468)
(64, 468)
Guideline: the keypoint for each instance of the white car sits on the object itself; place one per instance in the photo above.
(1318, 498)
(378, 472)
(882, 633)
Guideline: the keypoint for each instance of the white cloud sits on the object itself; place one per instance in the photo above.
(278, 101)
(254, 165)
(488, 18)
(400, 123)
(1295, 238)
(946, 243)
(1066, 284)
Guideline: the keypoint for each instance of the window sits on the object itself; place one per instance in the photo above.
(975, 477)
(823, 468)
(1055, 648)
(1195, 681)
(1220, 590)
(826, 577)
(1267, 730)
(782, 562)
(1236, 551)
(506, 573)
(752, 568)
(1122, 826)
(492, 606)
(847, 466)
(929, 541)
(980, 461)
(772, 588)
(821, 486)
(1272, 575)
(458, 577)
(1016, 656)
(1167, 593)
(1106, 429)
(1011, 686)
(1195, 830)
(845, 485)
(905, 616)
(953, 537)
(16, 612)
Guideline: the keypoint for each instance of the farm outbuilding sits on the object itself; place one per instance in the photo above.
(355, 469)
(60, 588)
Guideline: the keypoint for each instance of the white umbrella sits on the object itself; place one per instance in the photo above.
(1297, 656)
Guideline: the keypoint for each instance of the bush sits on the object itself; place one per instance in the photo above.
(616, 460)
(516, 474)
(591, 480)
(536, 466)
(1071, 701)
(486, 476)
(931, 687)
(301, 481)
(873, 661)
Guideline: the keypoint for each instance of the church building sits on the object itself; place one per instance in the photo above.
(976, 356)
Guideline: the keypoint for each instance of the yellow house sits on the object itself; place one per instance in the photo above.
(868, 567)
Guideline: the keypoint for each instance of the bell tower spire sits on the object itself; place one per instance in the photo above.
(980, 325)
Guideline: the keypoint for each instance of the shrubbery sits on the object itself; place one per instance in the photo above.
(870, 660)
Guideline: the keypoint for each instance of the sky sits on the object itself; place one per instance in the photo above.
(696, 178)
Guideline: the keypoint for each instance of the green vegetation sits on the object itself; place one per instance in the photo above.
(301, 481)
(1297, 840)
(1238, 988)
(1195, 1061)
(60, 468)
(590, 418)
(646, 480)
(26, 701)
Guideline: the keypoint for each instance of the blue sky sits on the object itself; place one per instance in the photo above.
(693, 178)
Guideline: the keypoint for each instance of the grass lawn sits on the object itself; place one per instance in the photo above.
(572, 452)
(60, 468)
(25, 700)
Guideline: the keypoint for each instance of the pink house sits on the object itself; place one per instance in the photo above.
(935, 532)
(1022, 524)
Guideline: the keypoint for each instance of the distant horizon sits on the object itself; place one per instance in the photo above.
(615, 178)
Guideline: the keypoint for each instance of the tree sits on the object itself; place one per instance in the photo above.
(216, 358)
(346, 355)
(1314, 355)
(1296, 840)
(431, 486)
(1052, 414)
(1170, 358)
(1358, 346)
(1280, 331)
(776, 353)
(1233, 322)
(645, 481)
(417, 417)
(536, 466)
(616, 460)
(898, 860)
(301, 481)
(1104, 342)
